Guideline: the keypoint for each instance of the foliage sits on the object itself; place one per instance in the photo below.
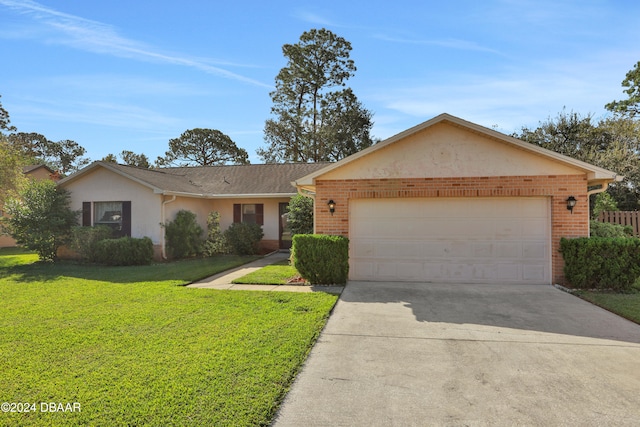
(84, 240)
(216, 243)
(601, 263)
(12, 178)
(300, 216)
(132, 159)
(41, 219)
(631, 105)
(321, 259)
(612, 143)
(604, 202)
(315, 117)
(605, 229)
(136, 349)
(203, 147)
(184, 235)
(124, 251)
(64, 156)
(5, 121)
(244, 238)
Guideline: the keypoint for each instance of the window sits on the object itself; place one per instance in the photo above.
(108, 213)
(249, 213)
(116, 215)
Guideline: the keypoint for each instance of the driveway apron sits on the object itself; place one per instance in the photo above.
(403, 354)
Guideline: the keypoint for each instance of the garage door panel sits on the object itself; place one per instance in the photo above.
(451, 239)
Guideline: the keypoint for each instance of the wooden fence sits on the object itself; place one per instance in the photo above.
(631, 218)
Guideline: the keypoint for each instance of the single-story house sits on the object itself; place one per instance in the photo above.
(447, 200)
(38, 173)
(136, 201)
(452, 201)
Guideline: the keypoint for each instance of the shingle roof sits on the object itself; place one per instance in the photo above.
(211, 181)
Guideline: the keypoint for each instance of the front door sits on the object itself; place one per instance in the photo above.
(285, 231)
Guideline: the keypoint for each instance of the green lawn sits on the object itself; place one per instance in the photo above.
(625, 305)
(275, 274)
(132, 347)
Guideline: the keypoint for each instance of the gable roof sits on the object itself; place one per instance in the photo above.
(267, 180)
(595, 174)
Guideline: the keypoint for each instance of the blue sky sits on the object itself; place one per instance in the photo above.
(131, 75)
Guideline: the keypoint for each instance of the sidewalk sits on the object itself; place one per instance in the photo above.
(222, 281)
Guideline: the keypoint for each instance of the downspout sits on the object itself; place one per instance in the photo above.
(602, 189)
(162, 216)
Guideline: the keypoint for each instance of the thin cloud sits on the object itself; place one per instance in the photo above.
(93, 36)
(446, 43)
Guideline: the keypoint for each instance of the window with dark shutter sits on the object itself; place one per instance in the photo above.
(249, 213)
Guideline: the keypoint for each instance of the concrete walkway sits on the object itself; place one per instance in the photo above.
(428, 354)
(222, 281)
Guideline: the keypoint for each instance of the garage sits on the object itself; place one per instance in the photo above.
(454, 202)
(452, 240)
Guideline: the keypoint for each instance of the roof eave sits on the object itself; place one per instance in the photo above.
(229, 196)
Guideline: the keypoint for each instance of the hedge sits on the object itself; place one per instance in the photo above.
(124, 251)
(601, 262)
(321, 259)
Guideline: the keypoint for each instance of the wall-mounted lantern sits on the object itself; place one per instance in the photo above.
(332, 206)
(571, 203)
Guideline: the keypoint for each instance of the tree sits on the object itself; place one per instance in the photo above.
(612, 143)
(630, 106)
(11, 175)
(316, 118)
(110, 158)
(132, 159)
(300, 217)
(4, 120)
(203, 147)
(63, 156)
(41, 219)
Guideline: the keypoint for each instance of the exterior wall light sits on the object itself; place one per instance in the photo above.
(332, 206)
(571, 203)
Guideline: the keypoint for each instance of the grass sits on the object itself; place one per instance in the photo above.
(625, 305)
(133, 347)
(275, 274)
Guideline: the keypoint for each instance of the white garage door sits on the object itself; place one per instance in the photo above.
(461, 240)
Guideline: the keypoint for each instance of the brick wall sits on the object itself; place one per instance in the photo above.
(557, 187)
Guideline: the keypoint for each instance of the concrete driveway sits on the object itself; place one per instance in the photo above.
(433, 354)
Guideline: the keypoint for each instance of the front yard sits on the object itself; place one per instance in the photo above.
(131, 346)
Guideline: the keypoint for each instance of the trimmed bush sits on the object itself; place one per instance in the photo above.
(605, 229)
(216, 242)
(243, 238)
(321, 259)
(84, 240)
(601, 263)
(124, 251)
(184, 235)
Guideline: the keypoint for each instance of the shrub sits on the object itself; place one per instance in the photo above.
(124, 251)
(41, 219)
(606, 229)
(184, 235)
(300, 216)
(216, 243)
(243, 238)
(321, 259)
(601, 263)
(84, 239)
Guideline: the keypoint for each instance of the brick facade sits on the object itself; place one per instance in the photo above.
(557, 187)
